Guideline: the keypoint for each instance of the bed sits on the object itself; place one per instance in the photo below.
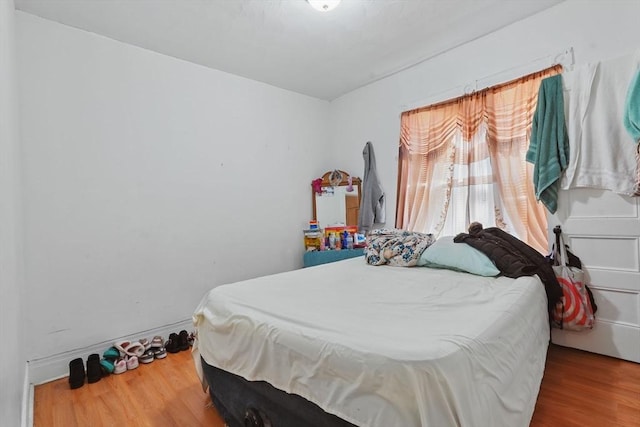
(348, 343)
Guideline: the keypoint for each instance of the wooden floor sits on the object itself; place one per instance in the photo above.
(164, 393)
(579, 389)
(587, 390)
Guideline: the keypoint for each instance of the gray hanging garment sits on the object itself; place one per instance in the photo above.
(372, 209)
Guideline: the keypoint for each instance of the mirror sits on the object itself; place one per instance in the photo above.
(334, 200)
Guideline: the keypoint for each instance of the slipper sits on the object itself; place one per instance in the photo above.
(132, 363)
(120, 366)
(112, 353)
(157, 341)
(130, 348)
(121, 346)
(107, 366)
(147, 357)
(145, 343)
(136, 349)
(159, 352)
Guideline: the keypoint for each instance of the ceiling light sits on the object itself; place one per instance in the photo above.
(324, 5)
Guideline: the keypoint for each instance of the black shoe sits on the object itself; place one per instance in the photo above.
(94, 370)
(183, 340)
(173, 344)
(76, 373)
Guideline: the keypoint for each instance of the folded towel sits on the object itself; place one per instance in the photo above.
(632, 108)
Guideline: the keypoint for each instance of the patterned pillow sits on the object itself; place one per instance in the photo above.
(396, 247)
(445, 253)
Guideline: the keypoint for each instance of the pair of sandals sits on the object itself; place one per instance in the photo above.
(154, 349)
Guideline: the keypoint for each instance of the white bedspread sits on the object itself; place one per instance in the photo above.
(386, 346)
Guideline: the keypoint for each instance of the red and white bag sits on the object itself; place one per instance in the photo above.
(575, 311)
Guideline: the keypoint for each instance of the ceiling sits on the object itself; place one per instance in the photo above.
(288, 44)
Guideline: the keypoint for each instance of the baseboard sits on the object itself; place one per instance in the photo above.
(615, 339)
(53, 367)
(27, 400)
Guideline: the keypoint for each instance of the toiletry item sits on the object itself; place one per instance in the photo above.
(312, 239)
(332, 241)
(350, 241)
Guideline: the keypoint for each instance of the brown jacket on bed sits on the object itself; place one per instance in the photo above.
(513, 257)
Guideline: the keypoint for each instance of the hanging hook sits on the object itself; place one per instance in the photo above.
(565, 58)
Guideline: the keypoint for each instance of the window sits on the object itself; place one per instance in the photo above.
(464, 160)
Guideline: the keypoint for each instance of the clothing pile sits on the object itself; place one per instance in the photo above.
(513, 258)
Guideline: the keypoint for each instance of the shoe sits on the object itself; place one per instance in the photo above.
(157, 341)
(183, 340)
(76, 373)
(191, 339)
(107, 366)
(112, 354)
(145, 343)
(120, 346)
(120, 366)
(173, 344)
(132, 363)
(159, 352)
(94, 370)
(136, 349)
(147, 357)
(129, 348)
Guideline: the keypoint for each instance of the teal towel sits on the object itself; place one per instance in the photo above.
(549, 148)
(632, 109)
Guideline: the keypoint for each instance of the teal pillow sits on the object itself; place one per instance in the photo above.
(445, 253)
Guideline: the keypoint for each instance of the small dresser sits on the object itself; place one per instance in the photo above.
(312, 258)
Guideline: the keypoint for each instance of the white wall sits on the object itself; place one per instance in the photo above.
(595, 29)
(12, 368)
(148, 181)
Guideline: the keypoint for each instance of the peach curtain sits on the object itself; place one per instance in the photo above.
(464, 160)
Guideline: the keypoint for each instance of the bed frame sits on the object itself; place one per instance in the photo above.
(243, 403)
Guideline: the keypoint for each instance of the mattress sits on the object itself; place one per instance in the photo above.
(385, 346)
